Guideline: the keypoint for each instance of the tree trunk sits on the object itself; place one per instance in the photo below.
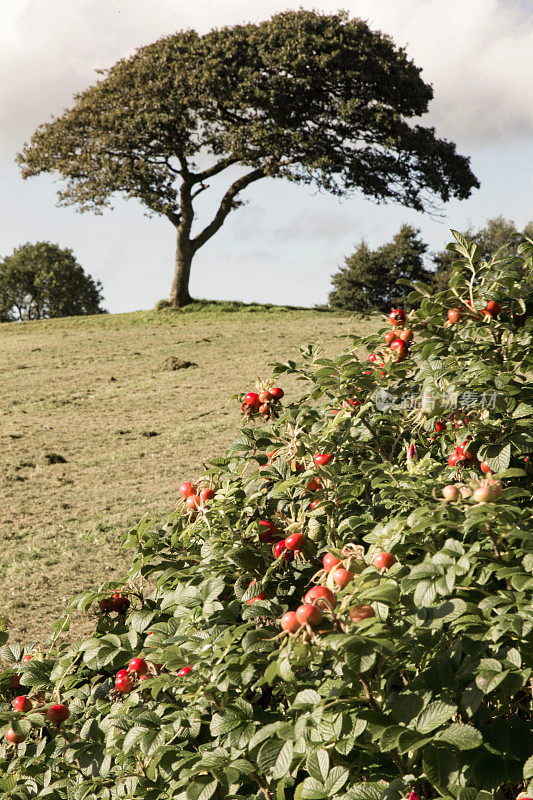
(179, 293)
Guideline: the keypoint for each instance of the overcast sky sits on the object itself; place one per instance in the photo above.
(285, 244)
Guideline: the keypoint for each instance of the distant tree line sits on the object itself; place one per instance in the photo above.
(44, 280)
(367, 281)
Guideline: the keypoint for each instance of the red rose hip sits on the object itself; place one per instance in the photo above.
(57, 713)
(308, 614)
(397, 316)
(329, 561)
(14, 738)
(186, 489)
(357, 613)
(295, 541)
(321, 596)
(383, 560)
(289, 622)
(22, 704)
(321, 459)
(138, 665)
(454, 315)
(342, 577)
(124, 684)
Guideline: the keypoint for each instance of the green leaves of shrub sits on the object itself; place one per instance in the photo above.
(430, 694)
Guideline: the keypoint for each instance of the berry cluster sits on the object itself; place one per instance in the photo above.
(320, 599)
(194, 497)
(55, 713)
(262, 403)
(398, 341)
(117, 602)
(484, 491)
(490, 311)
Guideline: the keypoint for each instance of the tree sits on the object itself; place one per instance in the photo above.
(313, 98)
(497, 232)
(44, 280)
(411, 676)
(369, 278)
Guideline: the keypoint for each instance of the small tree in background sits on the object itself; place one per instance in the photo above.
(44, 280)
(368, 279)
(496, 233)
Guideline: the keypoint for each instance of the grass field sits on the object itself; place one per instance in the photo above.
(97, 393)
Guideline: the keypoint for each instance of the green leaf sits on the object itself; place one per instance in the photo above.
(523, 410)
(441, 767)
(132, 737)
(488, 681)
(313, 790)
(223, 723)
(151, 741)
(366, 791)
(317, 764)
(406, 707)
(528, 769)
(268, 754)
(425, 593)
(436, 714)
(498, 457)
(336, 780)
(463, 737)
(305, 698)
(283, 761)
(141, 619)
(202, 788)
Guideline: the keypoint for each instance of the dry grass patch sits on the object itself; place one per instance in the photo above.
(96, 431)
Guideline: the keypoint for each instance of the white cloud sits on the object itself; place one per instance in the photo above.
(328, 225)
(477, 54)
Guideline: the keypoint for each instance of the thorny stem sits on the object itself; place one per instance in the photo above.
(262, 786)
(374, 434)
(494, 542)
(498, 352)
(369, 696)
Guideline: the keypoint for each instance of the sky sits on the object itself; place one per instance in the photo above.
(284, 245)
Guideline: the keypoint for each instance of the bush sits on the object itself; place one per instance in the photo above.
(417, 677)
(44, 280)
(369, 278)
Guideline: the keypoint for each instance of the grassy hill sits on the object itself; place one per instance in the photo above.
(98, 429)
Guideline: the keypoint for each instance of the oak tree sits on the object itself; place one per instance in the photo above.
(42, 280)
(314, 98)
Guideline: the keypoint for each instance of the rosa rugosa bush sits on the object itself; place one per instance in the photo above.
(214, 671)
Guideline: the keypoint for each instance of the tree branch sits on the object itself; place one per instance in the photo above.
(226, 205)
(174, 217)
(201, 188)
(199, 177)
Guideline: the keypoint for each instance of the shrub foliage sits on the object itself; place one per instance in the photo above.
(44, 280)
(429, 695)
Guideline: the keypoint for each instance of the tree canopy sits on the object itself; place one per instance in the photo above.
(314, 98)
(367, 281)
(44, 280)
